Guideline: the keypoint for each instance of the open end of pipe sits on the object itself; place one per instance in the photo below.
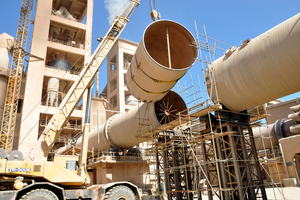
(170, 108)
(163, 34)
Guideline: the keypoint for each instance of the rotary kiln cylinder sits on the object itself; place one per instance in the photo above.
(150, 77)
(266, 68)
(273, 132)
(121, 130)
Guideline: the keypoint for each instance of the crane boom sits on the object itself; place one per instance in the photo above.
(15, 78)
(46, 141)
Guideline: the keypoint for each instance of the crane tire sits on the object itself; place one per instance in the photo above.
(119, 193)
(39, 194)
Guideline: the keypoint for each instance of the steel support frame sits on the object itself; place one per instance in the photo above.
(229, 161)
(178, 169)
(238, 164)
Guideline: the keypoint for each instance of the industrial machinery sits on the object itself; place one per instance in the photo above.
(282, 128)
(33, 177)
(120, 130)
(149, 79)
(260, 70)
(66, 178)
(153, 73)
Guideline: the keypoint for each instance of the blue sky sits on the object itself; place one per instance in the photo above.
(230, 21)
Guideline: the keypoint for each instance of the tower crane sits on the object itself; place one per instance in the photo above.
(15, 78)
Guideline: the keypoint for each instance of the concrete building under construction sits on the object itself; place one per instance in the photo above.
(145, 136)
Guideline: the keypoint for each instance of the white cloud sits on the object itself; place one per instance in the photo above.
(114, 8)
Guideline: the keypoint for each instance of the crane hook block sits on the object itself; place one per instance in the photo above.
(153, 14)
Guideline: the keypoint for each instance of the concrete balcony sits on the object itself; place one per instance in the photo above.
(58, 73)
(66, 21)
(44, 103)
(71, 44)
(65, 48)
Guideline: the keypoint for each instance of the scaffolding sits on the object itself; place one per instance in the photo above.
(211, 150)
(208, 150)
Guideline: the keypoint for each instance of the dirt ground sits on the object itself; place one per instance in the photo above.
(289, 193)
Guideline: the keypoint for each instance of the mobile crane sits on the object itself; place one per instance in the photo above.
(64, 178)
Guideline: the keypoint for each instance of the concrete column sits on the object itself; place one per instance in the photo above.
(88, 45)
(120, 87)
(30, 117)
(89, 23)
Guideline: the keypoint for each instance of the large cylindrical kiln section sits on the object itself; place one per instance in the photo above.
(163, 56)
(121, 130)
(264, 69)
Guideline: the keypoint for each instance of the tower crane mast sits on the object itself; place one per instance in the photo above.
(15, 78)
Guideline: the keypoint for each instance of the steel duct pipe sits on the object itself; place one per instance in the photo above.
(263, 136)
(260, 70)
(273, 132)
(121, 130)
(163, 56)
(280, 129)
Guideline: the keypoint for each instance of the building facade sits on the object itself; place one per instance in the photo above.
(118, 62)
(61, 42)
